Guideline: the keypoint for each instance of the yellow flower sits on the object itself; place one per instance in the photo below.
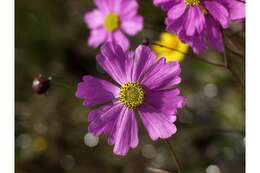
(171, 41)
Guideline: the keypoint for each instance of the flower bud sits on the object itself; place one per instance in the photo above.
(40, 85)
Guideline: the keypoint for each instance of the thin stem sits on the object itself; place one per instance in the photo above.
(197, 57)
(54, 81)
(225, 65)
(173, 155)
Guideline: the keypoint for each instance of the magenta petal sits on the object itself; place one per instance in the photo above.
(97, 37)
(104, 5)
(126, 132)
(96, 91)
(236, 10)
(166, 101)
(121, 39)
(133, 25)
(162, 75)
(128, 9)
(95, 14)
(214, 35)
(112, 60)
(156, 123)
(144, 58)
(189, 23)
(177, 25)
(218, 12)
(165, 4)
(103, 119)
(177, 10)
(200, 20)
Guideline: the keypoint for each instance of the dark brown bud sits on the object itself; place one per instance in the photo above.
(40, 85)
(146, 41)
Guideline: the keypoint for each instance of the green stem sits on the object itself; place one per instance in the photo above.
(174, 156)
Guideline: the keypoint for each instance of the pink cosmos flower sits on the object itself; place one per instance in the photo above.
(199, 22)
(111, 19)
(145, 87)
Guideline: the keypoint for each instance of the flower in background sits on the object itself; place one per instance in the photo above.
(199, 22)
(144, 86)
(170, 41)
(111, 20)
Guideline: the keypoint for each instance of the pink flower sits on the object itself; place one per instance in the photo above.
(111, 20)
(145, 87)
(199, 22)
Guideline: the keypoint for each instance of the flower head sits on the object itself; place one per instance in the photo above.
(144, 86)
(111, 20)
(171, 41)
(199, 22)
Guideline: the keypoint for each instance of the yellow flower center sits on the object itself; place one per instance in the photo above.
(111, 22)
(131, 95)
(192, 2)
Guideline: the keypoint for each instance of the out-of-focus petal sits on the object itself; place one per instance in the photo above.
(133, 25)
(128, 9)
(165, 4)
(236, 10)
(104, 5)
(97, 37)
(98, 19)
(121, 39)
(190, 25)
(214, 35)
(177, 10)
(218, 12)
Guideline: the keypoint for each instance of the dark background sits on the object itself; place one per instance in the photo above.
(51, 129)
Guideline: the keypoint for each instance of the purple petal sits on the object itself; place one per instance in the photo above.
(96, 91)
(214, 35)
(143, 60)
(177, 10)
(104, 5)
(97, 37)
(156, 123)
(103, 119)
(175, 26)
(128, 9)
(126, 132)
(162, 75)
(121, 39)
(166, 101)
(112, 59)
(218, 12)
(197, 41)
(95, 14)
(200, 20)
(194, 21)
(133, 25)
(236, 10)
(165, 4)
(189, 24)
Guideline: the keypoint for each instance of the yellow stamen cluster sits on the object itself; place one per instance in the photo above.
(192, 2)
(111, 22)
(131, 95)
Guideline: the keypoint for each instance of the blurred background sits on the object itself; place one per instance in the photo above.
(51, 129)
